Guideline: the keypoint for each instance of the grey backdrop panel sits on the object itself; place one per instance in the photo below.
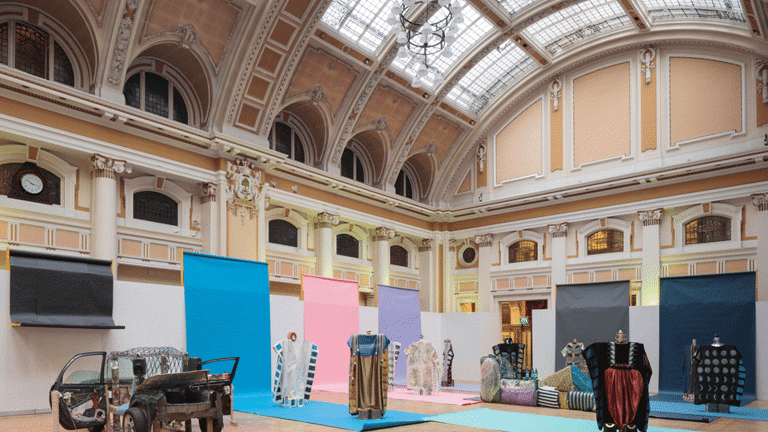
(591, 312)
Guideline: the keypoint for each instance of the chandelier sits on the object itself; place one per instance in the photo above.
(425, 41)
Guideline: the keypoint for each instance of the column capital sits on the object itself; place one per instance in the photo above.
(383, 234)
(484, 240)
(650, 217)
(103, 166)
(451, 244)
(209, 193)
(426, 245)
(558, 230)
(761, 201)
(326, 220)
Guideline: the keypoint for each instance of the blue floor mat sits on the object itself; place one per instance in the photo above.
(507, 421)
(322, 413)
(689, 411)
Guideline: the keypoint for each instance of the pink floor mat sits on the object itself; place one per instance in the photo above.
(401, 393)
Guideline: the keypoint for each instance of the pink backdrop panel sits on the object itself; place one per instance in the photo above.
(331, 316)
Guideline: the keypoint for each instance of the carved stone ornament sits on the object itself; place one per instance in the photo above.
(431, 148)
(383, 234)
(121, 42)
(647, 56)
(326, 220)
(451, 244)
(99, 162)
(484, 240)
(426, 245)
(555, 93)
(761, 201)
(210, 189)
(650, 217)
(762, 77)
(482, 151)
(244, 181)
(188, 35)
(558, 230)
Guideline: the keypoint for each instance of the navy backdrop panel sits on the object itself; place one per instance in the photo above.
(400, 321)
(697, 307)
(227, 313)
(591, 312)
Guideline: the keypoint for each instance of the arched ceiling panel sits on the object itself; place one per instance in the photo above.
(320, 69)
(313, 120)
(388, 104)
(375, 146)
(422, 164)
(442, 133)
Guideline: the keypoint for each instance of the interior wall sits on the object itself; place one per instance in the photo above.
(761, 349)
(644, 328)
(473, 336)
(544, 349)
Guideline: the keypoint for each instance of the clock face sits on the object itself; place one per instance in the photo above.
(31, 183)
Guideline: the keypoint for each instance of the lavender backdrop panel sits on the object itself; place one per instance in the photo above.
(400, 321)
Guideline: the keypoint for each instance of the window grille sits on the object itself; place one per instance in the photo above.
(398, 256)
(348, 246)
(605, 241)
(152, 93)
(284, 139)
(352, 166)
(403, 186)
(62, 67)
(156, 94)
(31, 50)
(523, 251)
(4, 43)
(179, 108)
(283, 233)
(708, 229)
(155, 207)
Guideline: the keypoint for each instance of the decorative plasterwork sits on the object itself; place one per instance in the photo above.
(104, 166)
(121, 42)
(452, 245)
(383, 234)
(326, 220)
(558, 230)
(188, 35)
(650, 217)
(484, 240)
(209, 193)
(647, 57)
(482, 151)
(554, 92)
(761, 201)
(761, 72)
(426, 245)
(243, 183)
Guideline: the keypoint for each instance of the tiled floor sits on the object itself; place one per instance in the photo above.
(255, 423)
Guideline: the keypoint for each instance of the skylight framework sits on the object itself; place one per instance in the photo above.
(729, 10)
(360, 21)
(489, 78)
(577, 23)
(513, 6)
(474, 28)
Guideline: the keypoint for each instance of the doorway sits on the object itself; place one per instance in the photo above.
(517, 324)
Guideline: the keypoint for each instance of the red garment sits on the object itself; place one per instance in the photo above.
(623, 390)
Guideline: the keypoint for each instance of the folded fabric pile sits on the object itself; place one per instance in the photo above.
(568, 388)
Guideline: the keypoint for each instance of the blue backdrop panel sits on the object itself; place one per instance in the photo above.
(400, 321)
(227, 313)
(697, 307)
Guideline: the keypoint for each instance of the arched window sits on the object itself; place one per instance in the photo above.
(523, 251)
(398, 256)
(404, 185)
(155, 207)
(152, 93)
(284, 139)
(348, 246)
(32, 50)
(352, 166)
(283, 233)
(708, 229)
(605, 241)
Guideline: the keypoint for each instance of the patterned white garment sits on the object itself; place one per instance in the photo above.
(393, 352)
(447, 379)
(294, 373)
(423, 368)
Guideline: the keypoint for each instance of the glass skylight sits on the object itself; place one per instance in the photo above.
(474, 28)
(578, 22)
(513, 6)
(492, 75)
(685, 9)
(360, 21)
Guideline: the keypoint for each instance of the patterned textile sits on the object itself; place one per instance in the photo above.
(447, 378)
(604, 355)
(573, 353)
(394, 352)
(518, 392)
(562, 399)
(505, 364)
(490, 379)
(368, 374)
(719, 375)
(423, 367)
(547, 397)
(561, 380)
(516, 356)
(581, 380)
(578, 400)
(294, 373)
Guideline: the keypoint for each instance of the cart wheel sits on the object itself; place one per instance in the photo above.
(218, 423)
(135, 421)
(96, 429)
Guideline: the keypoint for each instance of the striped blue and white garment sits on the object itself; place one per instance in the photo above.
(294, 373)
(393, 352)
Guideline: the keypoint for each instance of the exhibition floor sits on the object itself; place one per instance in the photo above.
(255, 423)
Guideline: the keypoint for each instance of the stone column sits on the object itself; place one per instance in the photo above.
(484, 243)
(428, 289)
(104, 206)
(559, 256)
(381, 259)
(209, 211)
(649, 294)
(761, 262)
(324, 223)
(449, 267)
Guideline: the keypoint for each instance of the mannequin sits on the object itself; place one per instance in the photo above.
(621, 373)
(368, 375)
(718, 376)
(447, 379)
(294, 371)
(423, 367)
(573, 353)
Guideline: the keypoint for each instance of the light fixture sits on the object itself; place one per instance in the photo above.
(426, 40)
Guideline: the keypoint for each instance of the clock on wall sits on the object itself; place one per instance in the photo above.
(30, 182)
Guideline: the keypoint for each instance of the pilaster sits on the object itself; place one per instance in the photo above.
(484, 243)
(649, 294)
(381, 236)
(559, 256)
(324, 223)
(104, 172)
